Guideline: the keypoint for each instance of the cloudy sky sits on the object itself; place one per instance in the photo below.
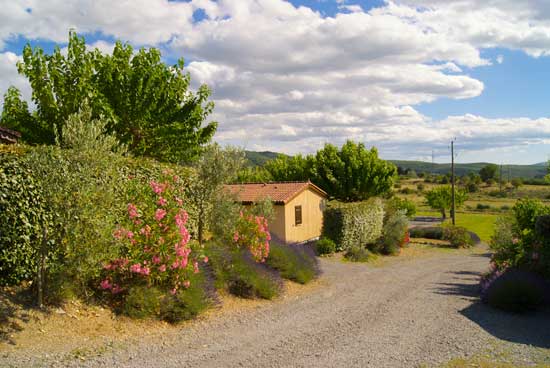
(406, 76)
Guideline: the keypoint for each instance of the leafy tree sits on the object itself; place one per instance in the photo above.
(214, 168)
(352, 173)
(440, 198)
(145, 102)
(488, 172)
(516, 183)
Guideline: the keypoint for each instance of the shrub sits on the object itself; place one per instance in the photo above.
(142, 302)
(153, 240)
(358, 254)
(185, 304)
(395, 204)
(237, 272)
(504, 208)
(394, 234)
(293, 262)
(472, 188)
(23, 217)
(406, 191)
(420, 187)
(515, 291)
(457, 236)
(354, 224)
(325, 246)
(482, 207)
(498, 194)
(434, 232)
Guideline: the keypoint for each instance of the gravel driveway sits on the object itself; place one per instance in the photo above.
(405, 314)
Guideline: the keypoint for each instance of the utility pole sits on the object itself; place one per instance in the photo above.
(453, 182)
(500, 179)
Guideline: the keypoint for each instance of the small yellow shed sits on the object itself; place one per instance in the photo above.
(298, 207)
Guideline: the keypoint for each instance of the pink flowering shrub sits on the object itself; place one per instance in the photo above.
(155, 244)
(252, 233)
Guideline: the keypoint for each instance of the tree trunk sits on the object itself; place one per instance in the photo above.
(41, 268)
(443, 214)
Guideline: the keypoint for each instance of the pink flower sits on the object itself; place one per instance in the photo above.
(105, 284)
(130, 234)
(136, 268)
(236, 237)
(173, 291)
(132, 211)
(158, 188)
(205, 259)
(118, 234)
(162, 201)
(179, 201)
(145, 271)
(159, 214)
(162, 268)
(146, 230)
(196, 267)
(155, 259)
(116, 289)
(187, 283)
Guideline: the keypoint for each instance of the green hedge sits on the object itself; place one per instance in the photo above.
(353, 224)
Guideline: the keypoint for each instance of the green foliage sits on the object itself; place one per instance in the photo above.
(142, 302)
(214, 168)
(440, 198)
(358, 254)
(516, 183)
(23, 217)
(393, 234)
(253, 175)
(457, 236)
(516, 291)
(488, 172)
(146, 103)
(353, 224)
(187, 303)
(293, 262)
(434, 232)
(351, 173)
(395, 204)
(526, 212)
(325, 246)
(236, 271)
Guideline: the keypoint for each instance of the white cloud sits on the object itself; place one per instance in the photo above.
(290, 79)
(9, 76)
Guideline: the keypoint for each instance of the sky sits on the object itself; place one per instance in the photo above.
(405, 76)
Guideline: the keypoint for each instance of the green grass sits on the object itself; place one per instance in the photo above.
(485, 363)
(483, 224)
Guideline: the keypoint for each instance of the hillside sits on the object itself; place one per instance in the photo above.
(524, 171)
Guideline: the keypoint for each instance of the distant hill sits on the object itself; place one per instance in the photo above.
(524, 171)
(260, 158)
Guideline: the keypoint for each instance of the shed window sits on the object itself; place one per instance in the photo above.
(297, 215)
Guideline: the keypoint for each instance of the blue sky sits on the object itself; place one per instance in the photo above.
(405, 76)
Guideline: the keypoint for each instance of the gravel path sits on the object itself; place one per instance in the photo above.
(404, 314)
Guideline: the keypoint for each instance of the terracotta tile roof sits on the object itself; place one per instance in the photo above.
(279, 193)
(9, 136)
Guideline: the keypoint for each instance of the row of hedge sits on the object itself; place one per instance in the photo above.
(353, 224)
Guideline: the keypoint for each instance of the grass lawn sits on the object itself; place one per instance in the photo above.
(483, 224)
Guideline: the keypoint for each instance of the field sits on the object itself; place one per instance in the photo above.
(480, 210)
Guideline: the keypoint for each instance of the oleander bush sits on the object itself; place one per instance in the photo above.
(294, 262)
(353, 224)
(325, 246)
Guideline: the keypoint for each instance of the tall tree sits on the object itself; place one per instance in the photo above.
(147, 104)
(351, 173)
(488, 172)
